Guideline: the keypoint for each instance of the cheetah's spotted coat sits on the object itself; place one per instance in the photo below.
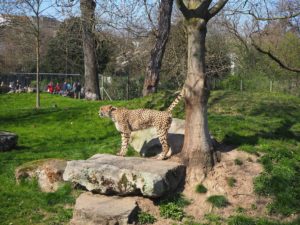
(127, 121)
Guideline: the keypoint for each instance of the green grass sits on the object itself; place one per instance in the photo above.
(146, 218)
(172, 207)
(218, 201)
(253, 122)
(231, 181)
(200, 188)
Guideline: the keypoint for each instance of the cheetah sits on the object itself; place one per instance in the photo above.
(127, 121)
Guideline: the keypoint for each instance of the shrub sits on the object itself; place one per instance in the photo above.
(218, 201)
(200, 188)
(231, 181)
(238, 162)
(171, 210)
(240, 220)
(146, 218)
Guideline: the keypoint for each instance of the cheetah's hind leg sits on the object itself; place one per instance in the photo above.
(124, 147)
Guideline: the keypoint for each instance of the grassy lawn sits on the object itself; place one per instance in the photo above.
(260, 122)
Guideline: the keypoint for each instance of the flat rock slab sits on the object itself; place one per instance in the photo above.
(94, 209)
(109, 174)
(7, 141)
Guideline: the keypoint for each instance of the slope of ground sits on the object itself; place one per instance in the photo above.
(261, 122)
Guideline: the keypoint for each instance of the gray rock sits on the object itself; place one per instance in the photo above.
(109, 174)
(7, 140)
(147, 144)
(48, 173)
(96, 209)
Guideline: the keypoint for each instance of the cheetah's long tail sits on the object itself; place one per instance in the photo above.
(176, 101)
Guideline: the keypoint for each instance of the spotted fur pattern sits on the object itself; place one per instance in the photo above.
(127, 121)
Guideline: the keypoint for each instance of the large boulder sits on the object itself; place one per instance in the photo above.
(109, 174)
(147, 144)
(7, 140)
(94, 209)
(48, 173)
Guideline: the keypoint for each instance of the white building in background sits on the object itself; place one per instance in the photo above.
(232, 57)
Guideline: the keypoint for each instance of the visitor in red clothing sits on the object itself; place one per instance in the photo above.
(57, 88)
(50, 87)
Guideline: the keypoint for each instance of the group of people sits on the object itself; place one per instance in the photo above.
(65, 89)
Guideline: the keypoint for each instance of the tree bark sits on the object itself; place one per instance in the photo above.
(37, 104)
(157, 53)
(91, 85)
(197, 152)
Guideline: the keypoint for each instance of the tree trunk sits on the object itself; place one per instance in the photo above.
(197, 152)
(37, 104)
(91, 85)
(157, 53)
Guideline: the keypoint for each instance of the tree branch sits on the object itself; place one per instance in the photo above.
(269, 18)
(217, 8)
(182, 7)
(274, 58)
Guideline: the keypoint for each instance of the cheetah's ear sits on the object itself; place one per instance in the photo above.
(112, 108)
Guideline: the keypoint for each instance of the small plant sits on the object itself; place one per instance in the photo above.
(171, 210)
(249, 159)
(146, 218)
(213, 219)
(241, 220)
(253, 207)
(200, 188)
(240, 209)
(231, 181)
(218, 201)
(238, 162)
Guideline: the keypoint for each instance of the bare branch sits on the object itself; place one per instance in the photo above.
(293, 15)
(274, 58)
(154, 29)
(217, 8)
(182, 7)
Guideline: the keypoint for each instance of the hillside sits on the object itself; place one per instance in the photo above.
(260, 123)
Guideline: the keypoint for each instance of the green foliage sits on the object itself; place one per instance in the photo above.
(213, 219)
(238, 162)
(65, 50)
(218, 201)
(244, 220)
(171, 210)
(231, 181)
(172, 207)
(200, 188)
(146, 218)
(240, 209)
(241, 220)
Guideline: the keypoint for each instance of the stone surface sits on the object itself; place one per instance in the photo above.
(47, 171)
(109, 174)
(94, 209)
(7, 140)
(147, 144)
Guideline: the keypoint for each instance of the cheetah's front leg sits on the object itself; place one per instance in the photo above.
(125, 141)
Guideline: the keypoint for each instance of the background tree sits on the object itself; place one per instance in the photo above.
(157, 53)
(27, 14)
(91, 81)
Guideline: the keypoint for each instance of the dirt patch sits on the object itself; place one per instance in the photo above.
(232, 178)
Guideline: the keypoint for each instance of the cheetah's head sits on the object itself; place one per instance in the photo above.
(105, 111)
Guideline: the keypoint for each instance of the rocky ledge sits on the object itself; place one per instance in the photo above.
(109, 174)
(94, 209)
(7, 141)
